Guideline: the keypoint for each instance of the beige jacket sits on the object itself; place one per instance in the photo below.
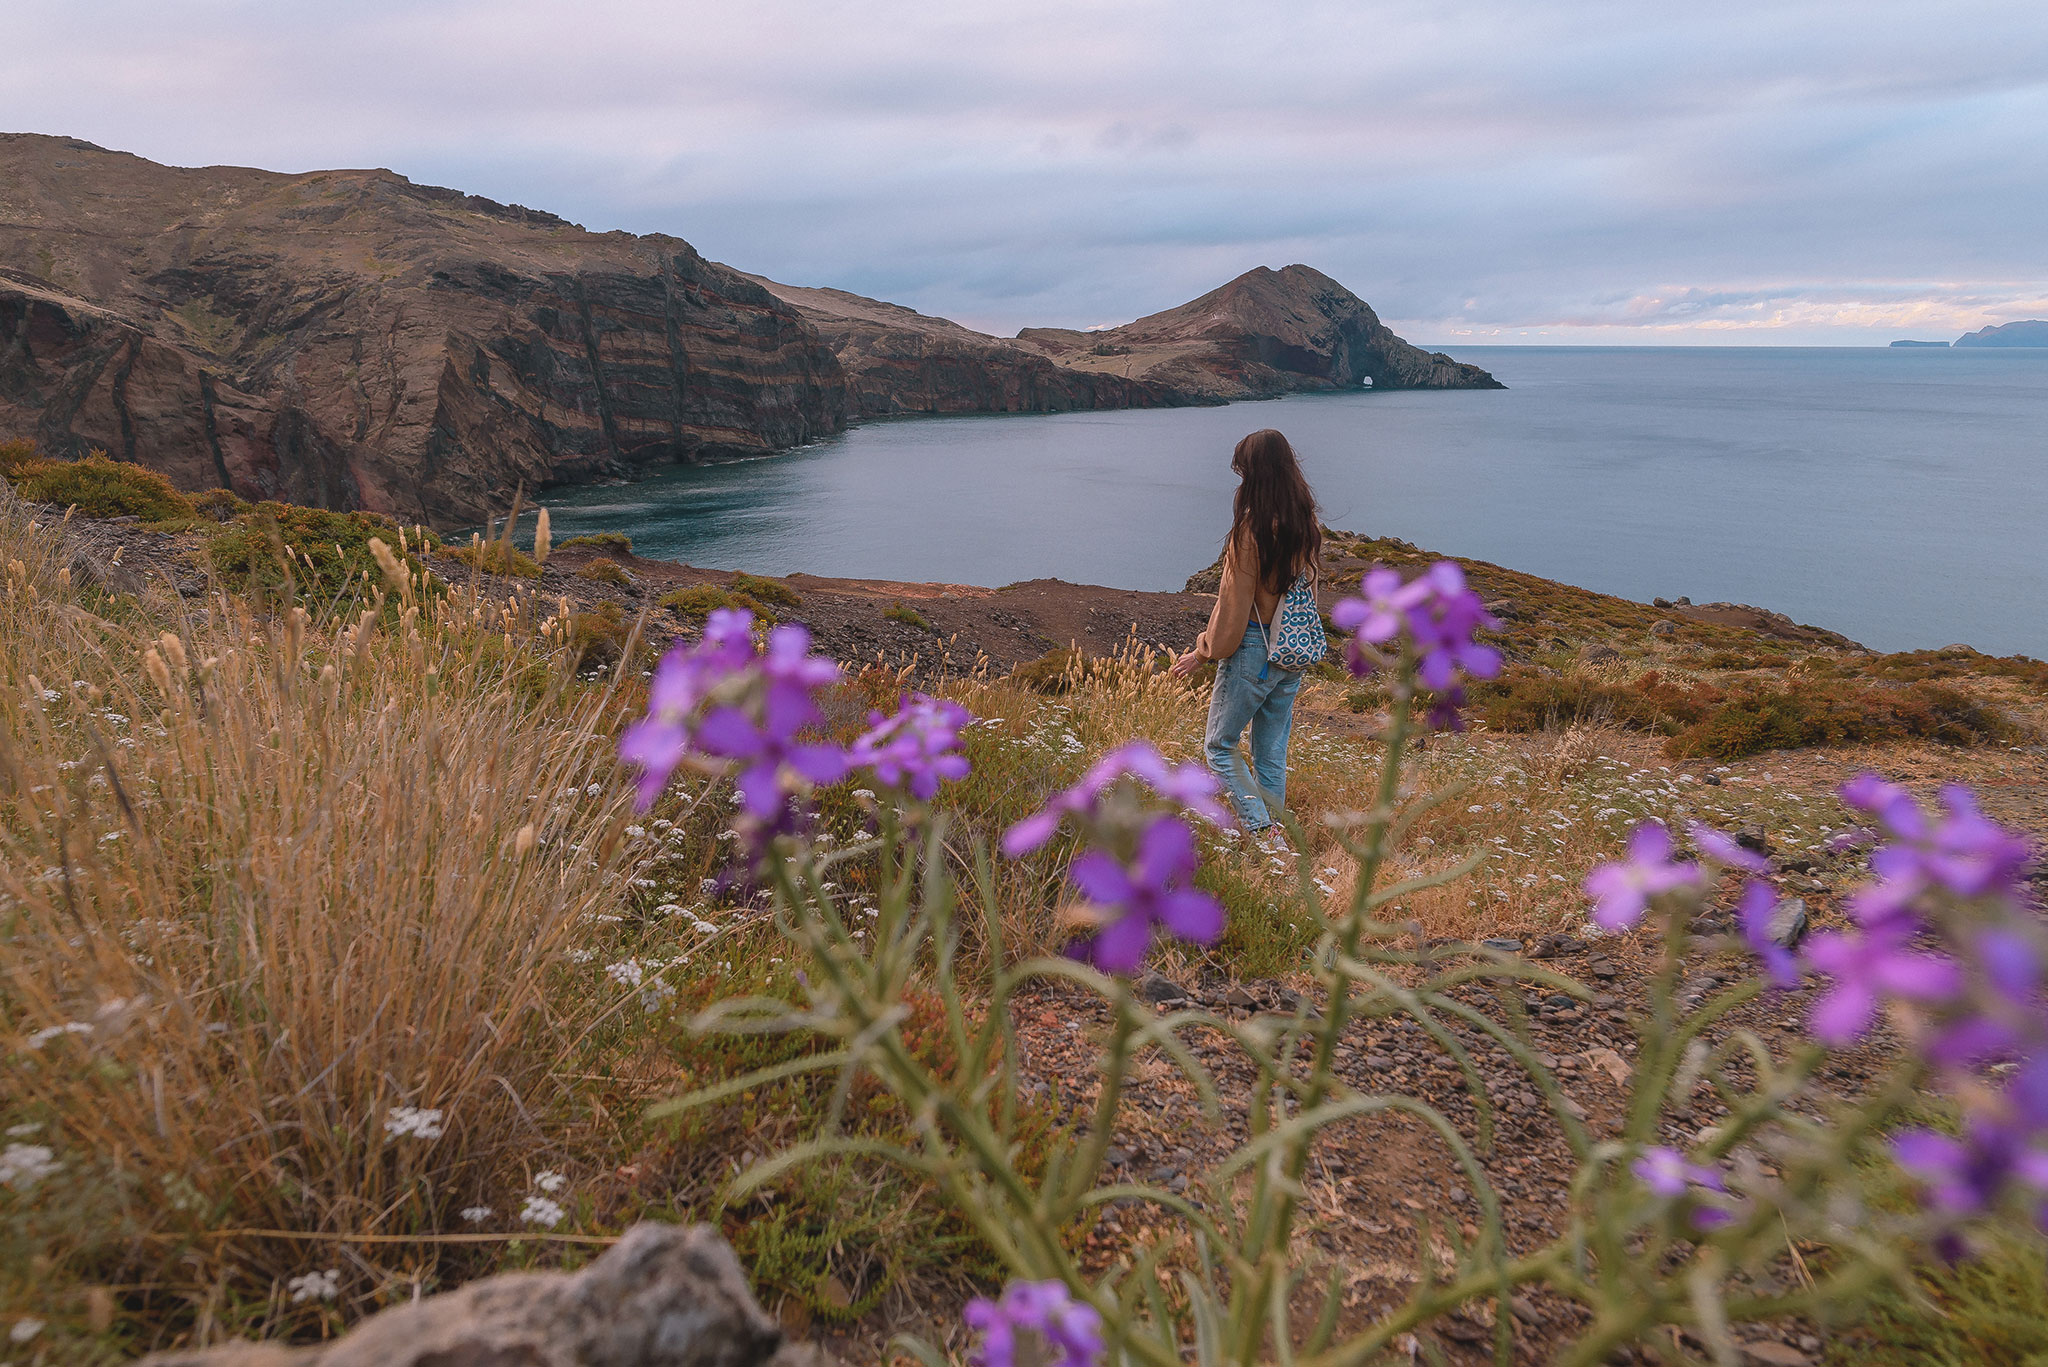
(1237, 597)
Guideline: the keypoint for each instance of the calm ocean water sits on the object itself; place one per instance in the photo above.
(1900, 497)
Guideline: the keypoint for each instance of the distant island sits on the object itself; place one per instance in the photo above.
(2033, 332)
(352, 340)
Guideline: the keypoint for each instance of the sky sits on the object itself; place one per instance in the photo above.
(1509, 171)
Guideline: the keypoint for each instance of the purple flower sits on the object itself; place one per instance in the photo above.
(1723, 849)
(1867, 967)
(1970, 1175)
(1189, 785)
(1132, 899)
(1754, 913)
(1667, 1172)
(1622, 891)
(687, 676)
(720, 700)
(1435, 610)
(1069, 1330)
(1966, 852)
(917, 748)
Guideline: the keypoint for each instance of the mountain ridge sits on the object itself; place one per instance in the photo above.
(351, 339)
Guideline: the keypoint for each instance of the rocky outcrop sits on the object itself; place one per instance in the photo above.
(2031, 333)
(898, 360)
(350, 339)
(1264, 334)
(663, 1296)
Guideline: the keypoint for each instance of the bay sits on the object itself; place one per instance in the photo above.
(1900, 497)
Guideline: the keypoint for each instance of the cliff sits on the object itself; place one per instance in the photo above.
(898, 360)
(2031, 333)
(350, 339)
(1265, 333)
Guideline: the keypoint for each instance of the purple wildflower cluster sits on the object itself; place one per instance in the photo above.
(1069, 1332)
(1135, 873)
(1437, 613)
(1944, 934)
(722, 704)
(1671, 1175)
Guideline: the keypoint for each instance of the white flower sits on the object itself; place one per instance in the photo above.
(413, 1120)
(24, 1165)
(626, 973)
(704, 927)
(315, 1286)
(476, 1215)
(539, 1210)
(582, 956)
(550, 1181)
(22, 1131)
(24, 1329)
(656, 995)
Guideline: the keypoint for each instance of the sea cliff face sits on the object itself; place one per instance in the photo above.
(2033, 332)
(351, 339)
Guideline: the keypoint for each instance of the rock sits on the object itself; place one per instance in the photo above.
(1664, 626)
(1159, 989)
(1610, 1063)
(1503, 608)
(1239, 998)
(1712, 780)
(1602, 969)
(1681, 602)
(663, 1296)
(1264, 334)
(1599, 654)
(1660, 602)
(1788, 923)
(1754, 839)
(1503, 945)
(2030, 332)
(1770, 1354)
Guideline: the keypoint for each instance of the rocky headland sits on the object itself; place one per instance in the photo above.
(352, 340)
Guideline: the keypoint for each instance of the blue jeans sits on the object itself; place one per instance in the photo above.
(1242, 698)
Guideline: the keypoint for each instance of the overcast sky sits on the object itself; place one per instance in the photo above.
(1774, 172)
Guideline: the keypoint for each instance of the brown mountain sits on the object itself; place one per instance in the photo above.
(1264, 334)
(351, 339)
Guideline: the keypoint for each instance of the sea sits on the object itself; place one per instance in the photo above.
(1897, 496)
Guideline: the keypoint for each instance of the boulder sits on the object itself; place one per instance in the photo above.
(663, 1296)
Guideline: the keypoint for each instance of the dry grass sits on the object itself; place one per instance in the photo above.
(265, 879)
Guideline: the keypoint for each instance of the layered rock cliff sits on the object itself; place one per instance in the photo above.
(351, 339)
(898, 360)
(1264, 334)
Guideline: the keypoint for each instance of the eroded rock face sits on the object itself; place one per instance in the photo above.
(350, 339)
(663, 1296)
(1264, 334)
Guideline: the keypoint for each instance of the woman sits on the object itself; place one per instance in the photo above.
(1275, 539)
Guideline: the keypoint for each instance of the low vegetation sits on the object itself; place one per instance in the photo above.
(335, 933)
(907, 615)
(605, 570)
(96, 485)
(613, 543)
(499, 558)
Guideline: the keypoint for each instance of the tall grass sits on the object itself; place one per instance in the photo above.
(264, 879)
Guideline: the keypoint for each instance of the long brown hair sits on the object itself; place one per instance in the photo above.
(1276, 508)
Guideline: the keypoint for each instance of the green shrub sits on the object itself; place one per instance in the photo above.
(618, 543)
(699, 601)
(100, 486)
(322, 551)
(605, 570)
(495, 557)
(1758, 718)
(761, 590)
(597, 639)
(909, 616)
(1524, 698)
(222, 505)
(14, 455)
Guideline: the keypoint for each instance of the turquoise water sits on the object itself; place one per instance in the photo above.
(1900, 496)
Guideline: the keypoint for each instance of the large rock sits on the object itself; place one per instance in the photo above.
(663, 1296)
(1265, 333)
(350, 339)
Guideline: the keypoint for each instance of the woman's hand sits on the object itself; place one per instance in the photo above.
(1185, 665)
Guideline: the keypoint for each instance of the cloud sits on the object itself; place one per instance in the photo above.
(1501, 164)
